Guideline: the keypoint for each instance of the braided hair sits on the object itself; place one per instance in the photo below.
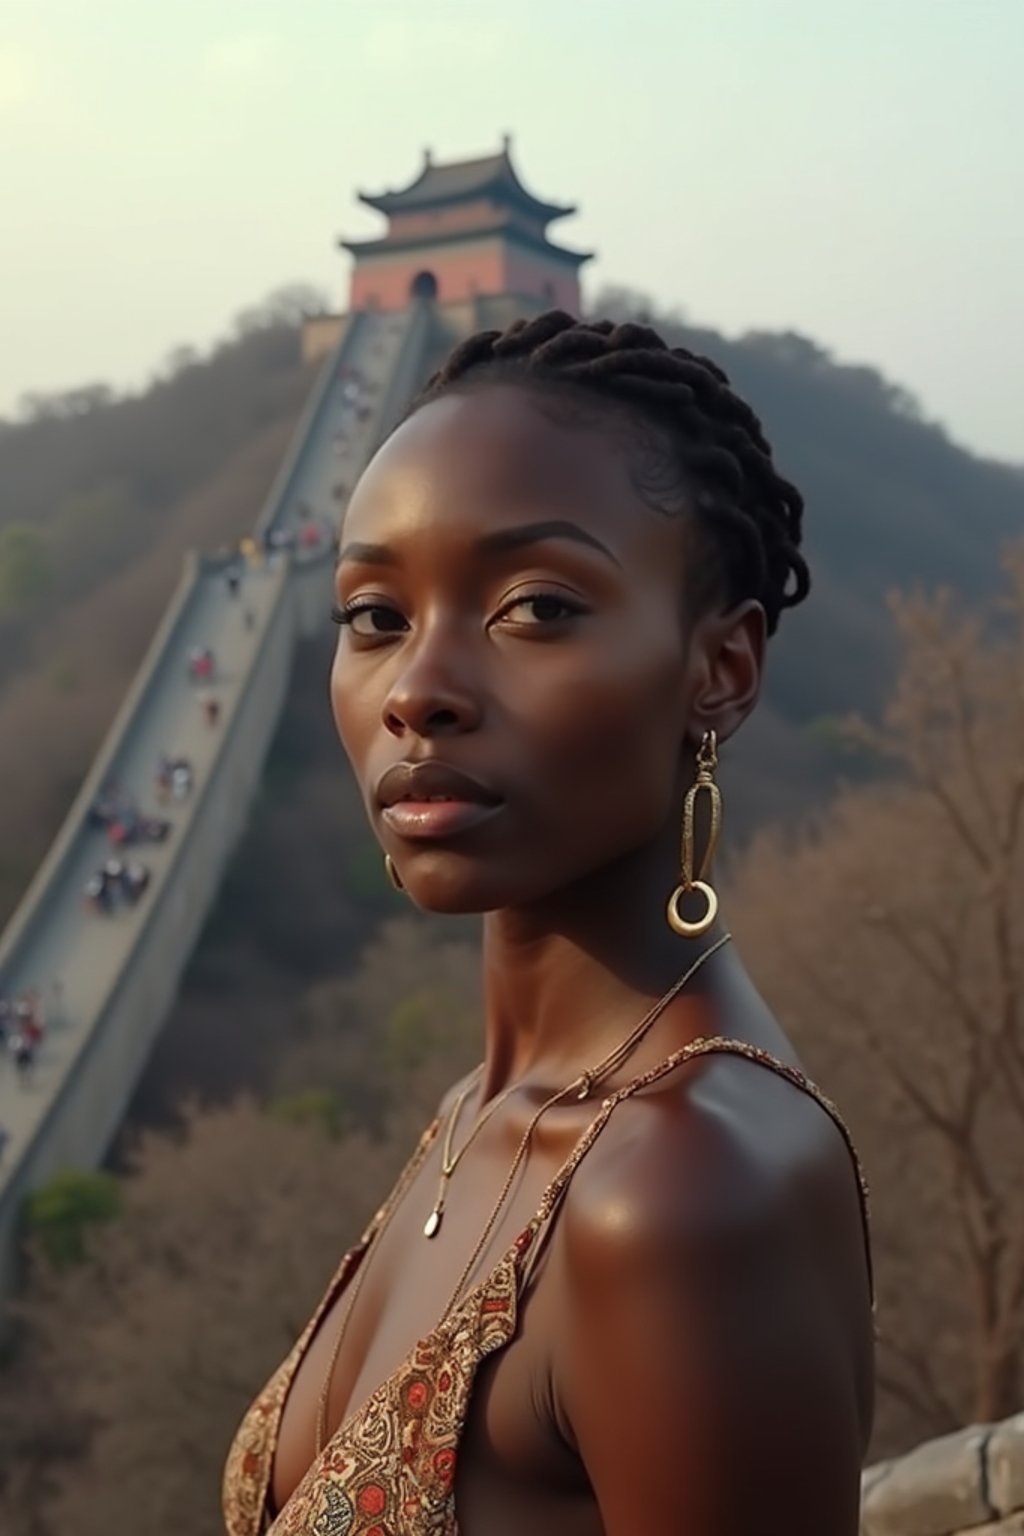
(701, 446)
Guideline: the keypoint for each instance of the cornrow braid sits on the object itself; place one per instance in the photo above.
(702, 439)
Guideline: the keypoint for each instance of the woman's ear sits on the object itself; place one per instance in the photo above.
(727, 661)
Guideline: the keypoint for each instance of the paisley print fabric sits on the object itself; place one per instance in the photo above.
(389, 1469)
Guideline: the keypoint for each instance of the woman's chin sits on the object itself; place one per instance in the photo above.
(449, 892)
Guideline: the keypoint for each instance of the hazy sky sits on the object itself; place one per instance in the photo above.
(848, 168)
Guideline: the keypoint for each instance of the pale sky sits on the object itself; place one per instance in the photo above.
(851, 169)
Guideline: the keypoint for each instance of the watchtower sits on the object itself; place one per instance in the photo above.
(461, 231)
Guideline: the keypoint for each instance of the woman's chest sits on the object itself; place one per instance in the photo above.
(398, 1295)
(454, 1435)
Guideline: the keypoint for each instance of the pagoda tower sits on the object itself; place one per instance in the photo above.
(463, 231)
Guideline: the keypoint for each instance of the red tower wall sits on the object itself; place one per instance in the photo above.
(428, 223)
(462, 272)
(529, 272)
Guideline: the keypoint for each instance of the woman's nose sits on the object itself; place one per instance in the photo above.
(432, 696)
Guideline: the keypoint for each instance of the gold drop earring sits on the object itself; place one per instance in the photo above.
(707, 762)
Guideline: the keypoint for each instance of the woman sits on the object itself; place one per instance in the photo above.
(623, 1285)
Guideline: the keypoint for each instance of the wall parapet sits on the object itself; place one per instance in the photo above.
(275, 503)
(31, 907)
(970, 1483)
(111, 980)
(405, 378)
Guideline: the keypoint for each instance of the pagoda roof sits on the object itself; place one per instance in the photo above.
(461, 181)
(388, 244)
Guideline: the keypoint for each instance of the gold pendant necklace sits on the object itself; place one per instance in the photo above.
(449, 1163)
(580, 1087)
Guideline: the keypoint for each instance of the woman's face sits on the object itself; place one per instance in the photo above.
(516, 636)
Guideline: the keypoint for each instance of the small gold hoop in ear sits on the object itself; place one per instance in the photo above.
(707, 762)
(392, 873)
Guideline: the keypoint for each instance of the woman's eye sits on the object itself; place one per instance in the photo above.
(540, 608)
(369, 620)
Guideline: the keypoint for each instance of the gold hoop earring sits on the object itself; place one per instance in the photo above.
(707, 762)
(392, 873)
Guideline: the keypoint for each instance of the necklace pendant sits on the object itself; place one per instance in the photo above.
(432, 1225)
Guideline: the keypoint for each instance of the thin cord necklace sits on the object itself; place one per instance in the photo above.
(450, 1162)
(581, 1086)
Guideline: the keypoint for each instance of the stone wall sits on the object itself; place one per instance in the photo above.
(970, 1483)
(69, 1117)
(320, 336)
(287, 486)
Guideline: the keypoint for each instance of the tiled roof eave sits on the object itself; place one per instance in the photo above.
(386, 245)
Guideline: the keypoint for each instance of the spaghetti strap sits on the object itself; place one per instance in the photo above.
(391, 1462)
(704, 1045)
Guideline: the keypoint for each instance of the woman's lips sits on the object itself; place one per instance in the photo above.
(431, 799)
(426, 820)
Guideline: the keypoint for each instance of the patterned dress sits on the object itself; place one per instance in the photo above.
(389, 1469)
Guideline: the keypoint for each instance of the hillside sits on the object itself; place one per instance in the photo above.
(891, 502)
(117, 490)
(99, 501)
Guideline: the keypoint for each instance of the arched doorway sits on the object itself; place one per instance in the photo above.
(423, 286)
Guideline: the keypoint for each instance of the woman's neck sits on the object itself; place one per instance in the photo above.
(566, 980)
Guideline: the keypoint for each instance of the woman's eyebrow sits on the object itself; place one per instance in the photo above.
(368, 554)
(536, 533)
(491, 543)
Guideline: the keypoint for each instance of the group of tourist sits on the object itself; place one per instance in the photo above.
(120, 882)
(117, 883)
(174, 777)
(202, 668)
(312, 534)
(24, 1018)
(355, 407)
(115, 812)
(202, 664)
(22, 1028)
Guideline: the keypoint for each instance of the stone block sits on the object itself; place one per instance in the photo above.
(1005, 1457)
(871, 1476)
(937, 1490)
(1014, 1526)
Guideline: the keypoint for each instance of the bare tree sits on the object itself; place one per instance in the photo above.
(288, 305)
(890, 938)
(136, 1366)
(390, 1038)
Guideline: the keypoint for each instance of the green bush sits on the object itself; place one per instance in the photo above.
(423, 1025)
(316, 1106)
(62, 1211)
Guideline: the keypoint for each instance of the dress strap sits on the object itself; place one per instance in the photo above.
(704, 1045)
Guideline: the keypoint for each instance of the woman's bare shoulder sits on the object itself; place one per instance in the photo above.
(721, 1149)
(710, 1265)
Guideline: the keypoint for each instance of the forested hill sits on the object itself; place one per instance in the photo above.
(99, 500)
(88, 481)
(891, 501)
(99, 497)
